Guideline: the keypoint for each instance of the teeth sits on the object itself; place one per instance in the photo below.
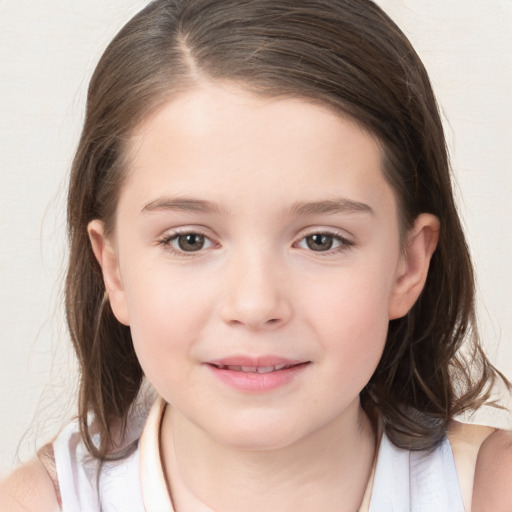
(253, 369)
(266, 369)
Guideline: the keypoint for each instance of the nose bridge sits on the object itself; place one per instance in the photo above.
(255, 289)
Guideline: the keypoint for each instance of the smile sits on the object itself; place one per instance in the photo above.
(254, 369)
(257, 376)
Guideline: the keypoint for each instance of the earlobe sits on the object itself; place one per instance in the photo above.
(413, 268)
(106, 255)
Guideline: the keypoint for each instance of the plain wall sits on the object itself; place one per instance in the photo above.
(47, 53)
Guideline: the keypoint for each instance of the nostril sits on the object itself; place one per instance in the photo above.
(255, 312)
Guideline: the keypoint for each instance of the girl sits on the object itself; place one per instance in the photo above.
(262, 228)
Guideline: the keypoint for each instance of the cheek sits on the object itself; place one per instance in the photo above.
(352, 299)
(350, 317)
(167, 313)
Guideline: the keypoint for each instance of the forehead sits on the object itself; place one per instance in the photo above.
(223, 140)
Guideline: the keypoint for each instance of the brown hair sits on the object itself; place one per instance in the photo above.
(347, 55)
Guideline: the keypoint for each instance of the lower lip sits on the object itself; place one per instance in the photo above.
(258, 382)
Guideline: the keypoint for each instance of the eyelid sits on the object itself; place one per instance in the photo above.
(170, 235)
(346, 242)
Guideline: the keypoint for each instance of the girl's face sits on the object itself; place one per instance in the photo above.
(257, 261)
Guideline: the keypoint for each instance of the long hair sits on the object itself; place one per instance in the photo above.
(346, 55)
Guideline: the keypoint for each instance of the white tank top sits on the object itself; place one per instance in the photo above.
(403, 480)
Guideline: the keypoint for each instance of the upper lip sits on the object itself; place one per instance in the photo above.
(255, 362)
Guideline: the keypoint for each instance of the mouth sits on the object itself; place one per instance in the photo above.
(257, 369)
(257, 375)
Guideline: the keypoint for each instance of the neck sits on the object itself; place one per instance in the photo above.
(327, 470)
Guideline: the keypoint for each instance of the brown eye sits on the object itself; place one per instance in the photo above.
(324, 243)
(186, 244)
(190, 242)
(320, 242)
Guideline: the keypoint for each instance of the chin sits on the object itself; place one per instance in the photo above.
(254, 435)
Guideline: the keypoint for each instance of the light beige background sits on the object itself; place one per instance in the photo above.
(48, 49)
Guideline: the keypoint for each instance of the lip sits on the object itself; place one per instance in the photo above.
(256, 374)
(260, 361)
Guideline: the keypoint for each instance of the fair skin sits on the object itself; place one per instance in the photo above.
(260, 232)
(28, 489)
(493, 474)
(253, 288)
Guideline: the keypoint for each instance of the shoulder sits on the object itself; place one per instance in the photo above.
(29, 488)
(492, 490)
(466, 441)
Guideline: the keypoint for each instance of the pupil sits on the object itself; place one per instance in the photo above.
(191, 242)
(319, 242)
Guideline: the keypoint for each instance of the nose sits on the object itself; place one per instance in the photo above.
(256, 294)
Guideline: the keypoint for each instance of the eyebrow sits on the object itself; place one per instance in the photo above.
(182, 204)
(329, 207)
(333, 206)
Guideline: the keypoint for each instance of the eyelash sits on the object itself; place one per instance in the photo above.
(166, 242)
(344, 243)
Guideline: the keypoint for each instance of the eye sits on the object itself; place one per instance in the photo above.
(186, 242)
(320, 242)
(324, 242)
(190, 242)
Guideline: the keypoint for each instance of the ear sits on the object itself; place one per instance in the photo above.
(413, 266)
(106, 255)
